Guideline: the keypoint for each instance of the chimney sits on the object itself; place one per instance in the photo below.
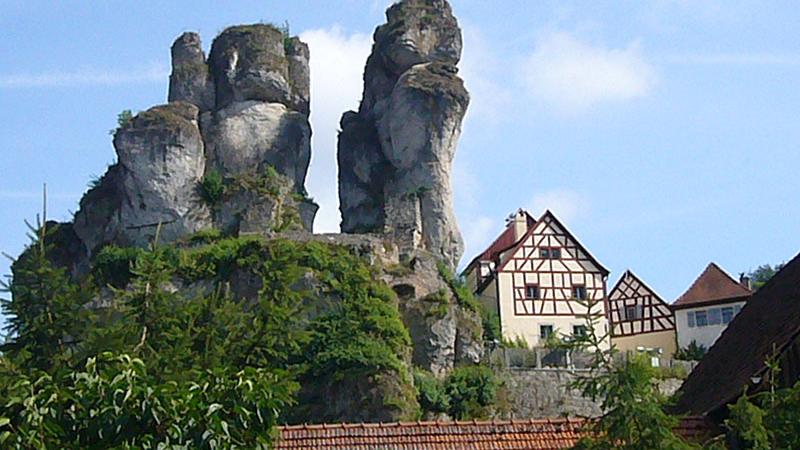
(744, 280)
(520, 224)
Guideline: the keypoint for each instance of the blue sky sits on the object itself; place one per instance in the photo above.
(665, 133)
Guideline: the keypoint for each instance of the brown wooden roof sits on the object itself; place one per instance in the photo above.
(770, 317)
(549, 434)
(712, 285)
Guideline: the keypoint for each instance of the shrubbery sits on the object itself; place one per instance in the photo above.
(468, 392)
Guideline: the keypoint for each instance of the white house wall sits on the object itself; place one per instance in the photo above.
(706, 335)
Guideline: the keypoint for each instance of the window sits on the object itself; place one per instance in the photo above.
(727, 314)
(714, 316)
(532, 291)
(690, 317)
(701, 318)
(633, 312)
(579, 292)
(549, 253)
(579, 330)
(736, 309)
(545, 331)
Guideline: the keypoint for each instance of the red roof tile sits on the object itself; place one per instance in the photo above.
(514, 434)
(713, 284)
(503, 242)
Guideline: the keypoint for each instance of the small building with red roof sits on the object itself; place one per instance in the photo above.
(708, 306)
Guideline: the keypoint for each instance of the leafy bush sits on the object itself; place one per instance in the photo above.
(459, 287)
(430, 393)
(115, 402)
(471, 391)
(491, 326)
(692, 352)
(123, 119)
(212, 187)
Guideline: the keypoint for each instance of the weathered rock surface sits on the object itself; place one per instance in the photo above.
(153, 186)
(395, 154)
(251, 135)
(242, 113)
(190, 80)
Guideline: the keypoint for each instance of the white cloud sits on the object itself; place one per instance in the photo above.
(337, 66)
(566, 204)
(153, 73)
(573, 75)
(481, 71)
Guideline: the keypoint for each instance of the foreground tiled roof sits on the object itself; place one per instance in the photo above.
(516, 434)
(769, 322)
(713, 284)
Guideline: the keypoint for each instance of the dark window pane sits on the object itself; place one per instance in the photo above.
(727, 314)
(690, 317)
(701, 318)
(714, 316)
(545, 331)
(579, 330)
(555, 253)
(544, 253)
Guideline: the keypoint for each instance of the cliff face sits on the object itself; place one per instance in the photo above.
(395, 153)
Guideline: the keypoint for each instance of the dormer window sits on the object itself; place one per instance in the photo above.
(532, 291)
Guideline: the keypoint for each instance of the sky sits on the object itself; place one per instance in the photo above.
(664, 133)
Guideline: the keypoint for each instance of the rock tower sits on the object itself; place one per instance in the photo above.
(239, 116)
(395, 153)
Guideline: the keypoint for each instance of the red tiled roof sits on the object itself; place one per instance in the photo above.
(503, 242)
(713, 284)
(769, 322)
(544, 434)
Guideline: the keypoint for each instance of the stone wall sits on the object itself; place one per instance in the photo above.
(545, 393)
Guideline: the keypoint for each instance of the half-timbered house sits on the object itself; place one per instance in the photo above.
(539, 279)
(639, 318)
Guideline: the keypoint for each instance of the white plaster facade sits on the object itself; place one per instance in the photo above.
(704, 335)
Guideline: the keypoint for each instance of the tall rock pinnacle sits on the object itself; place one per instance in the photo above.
(395, 154)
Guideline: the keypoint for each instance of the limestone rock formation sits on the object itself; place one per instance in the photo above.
(395, 153)
(243, 115)
(161, 160)
(190, 80)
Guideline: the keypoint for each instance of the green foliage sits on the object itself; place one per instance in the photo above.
(113, 265)
(206, 236)
(692, 352)
(439, 302)
(471, 391)
(671, 372)
(431, 395)
(46, 310)
(491, 326)
(117, 402)
(746, 423)
(212, 187)
(123, 119)
(763, 273)
(634, 417)
(468, 392)
(459, 287)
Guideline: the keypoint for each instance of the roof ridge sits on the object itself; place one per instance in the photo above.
(710, 270)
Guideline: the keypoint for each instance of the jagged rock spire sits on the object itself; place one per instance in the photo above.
(395, 154)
